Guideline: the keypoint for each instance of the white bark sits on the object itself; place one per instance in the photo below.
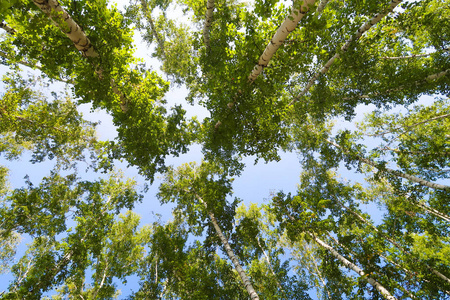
(67, 25)
(407, 176)
(283, 31)
(8, 29)
(383, 291)
(23, 275)
(245, 280)
(410, 126)
(433, 211)
(270, 267)
(406, 252)
(321, 6)
(319, 275)
(73, 31)
(208, 21)
(345, 47)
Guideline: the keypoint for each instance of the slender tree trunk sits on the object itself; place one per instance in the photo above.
(395, 172)
(433, 211)
(319, 275)
(418, 152)
(383, 291)
(208, 21)
(105, 271)
(283, 31)
(245, 280)
(444, 116)
(407, 176)
(313, 269)
(148, 16)
(73, 31)
(67, 25)
(406, 252)
(346, 46)
(8, 29)
(370, 265)
(270, 267)
(321, 6)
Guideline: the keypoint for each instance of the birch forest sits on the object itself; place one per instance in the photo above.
(356, 90)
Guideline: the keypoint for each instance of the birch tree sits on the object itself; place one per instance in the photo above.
(273, 77)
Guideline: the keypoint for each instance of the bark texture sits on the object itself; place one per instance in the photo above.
(73, 31)
(67, 25)
(283, 31)
(321, 6)
(245, 280)
(8, 29)
(208, 21)
(383, 291)
(414, 55)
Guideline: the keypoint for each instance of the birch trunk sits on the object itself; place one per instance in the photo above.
(321, 6)
(410, 126)
(407, 56)
(383, 291)
(397, 173)
(270, 267)
(407, 176)
(319, 275)
(433, 211)
(345, 47)
(208, 21)
(245, 280)
(67, 25)
(406, 252)
(283, 31)
(74, 32)
(8, 29)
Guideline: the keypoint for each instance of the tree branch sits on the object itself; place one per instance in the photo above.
(270, 266)
(383, 291)
(8, 29)
(345, 47)
(148, 16)
(399, 88)
(67, 25)
(406, 252)
(415, 55)
(73, 31)
(394, 172)
(208, 21)
(245, 280)
(277, 40)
